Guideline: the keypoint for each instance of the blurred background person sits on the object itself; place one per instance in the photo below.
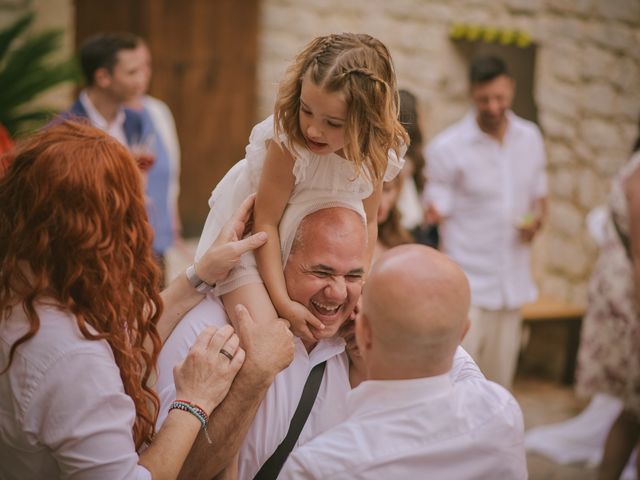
(114, 73)
(413, 175)
(609, 354)
(487, 183)
(160, 138)
(391, 232)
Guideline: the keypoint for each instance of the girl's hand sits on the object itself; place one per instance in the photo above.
(205, 375)
(301, 319)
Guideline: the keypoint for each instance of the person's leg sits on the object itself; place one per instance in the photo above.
(510, 342)
(255, 298)
(503, 346)
(622, 437)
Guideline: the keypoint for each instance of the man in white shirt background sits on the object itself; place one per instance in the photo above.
(410, 419)
(487, 185)
(325, 266)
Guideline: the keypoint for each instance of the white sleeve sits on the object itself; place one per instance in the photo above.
(441, 177)
(81, 413)
(208, 312)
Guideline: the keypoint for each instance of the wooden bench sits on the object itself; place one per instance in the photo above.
(553, 338)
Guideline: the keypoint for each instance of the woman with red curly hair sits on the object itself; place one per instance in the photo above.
(81, 318)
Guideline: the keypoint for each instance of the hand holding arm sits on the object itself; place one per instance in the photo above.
(202, 378)
(269, 349)
(225, 252)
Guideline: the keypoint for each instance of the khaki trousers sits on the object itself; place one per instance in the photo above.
(493, 340)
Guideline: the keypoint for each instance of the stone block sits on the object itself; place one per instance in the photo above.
(571, 7)
(599, 133)
(608, 161)
(612, 36)
(525, 6)
(558, 97)
(556, 126)
(627, 11)
(561, 27)
(555, 286)
(562, 184)
(592, 189)
(626, 76)
(563, 61)
(566, 256)
(565, 218)
(559, 154)
(598, 62)
(598, 99)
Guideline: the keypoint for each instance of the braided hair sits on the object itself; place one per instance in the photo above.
(360, 66)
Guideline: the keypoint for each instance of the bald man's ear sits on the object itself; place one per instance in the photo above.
(467, 325)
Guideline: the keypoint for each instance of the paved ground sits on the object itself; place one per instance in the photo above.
(544, 402)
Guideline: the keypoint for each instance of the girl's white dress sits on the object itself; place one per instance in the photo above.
(321, 181)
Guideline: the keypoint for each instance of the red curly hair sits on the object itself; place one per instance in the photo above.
(73, 230)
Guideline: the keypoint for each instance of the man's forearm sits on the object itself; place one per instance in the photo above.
(178, 298)
(228, 426)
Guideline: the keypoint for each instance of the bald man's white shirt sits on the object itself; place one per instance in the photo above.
(274, 415)
(422, 428)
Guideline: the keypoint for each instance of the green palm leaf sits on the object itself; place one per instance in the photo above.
(9, 34)
(26, 71)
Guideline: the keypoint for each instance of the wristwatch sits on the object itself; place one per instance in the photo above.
(195, 281)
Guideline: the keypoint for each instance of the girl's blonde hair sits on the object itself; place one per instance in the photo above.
(360, 66)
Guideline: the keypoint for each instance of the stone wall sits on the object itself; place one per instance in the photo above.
(587, 90)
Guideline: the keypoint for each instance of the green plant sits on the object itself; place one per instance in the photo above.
(26, 71)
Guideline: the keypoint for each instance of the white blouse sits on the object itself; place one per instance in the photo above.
(63, 409)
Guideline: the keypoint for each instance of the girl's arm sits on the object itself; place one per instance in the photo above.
(180, 296)
(371, 204)
(275, 188)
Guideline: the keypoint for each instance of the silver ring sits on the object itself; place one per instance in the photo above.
(226, 354)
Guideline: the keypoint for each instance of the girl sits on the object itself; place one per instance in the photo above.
(334, 135)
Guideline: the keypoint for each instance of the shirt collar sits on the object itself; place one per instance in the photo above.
(476, 134)
(324, 349)
(373, 395)
(96, 118)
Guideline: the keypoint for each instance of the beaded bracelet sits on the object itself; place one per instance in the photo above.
(195, 410)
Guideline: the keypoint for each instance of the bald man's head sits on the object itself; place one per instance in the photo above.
(326, 266)
(415, 308)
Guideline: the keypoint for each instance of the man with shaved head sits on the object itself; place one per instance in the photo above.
(409, 419)
(323, 252)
